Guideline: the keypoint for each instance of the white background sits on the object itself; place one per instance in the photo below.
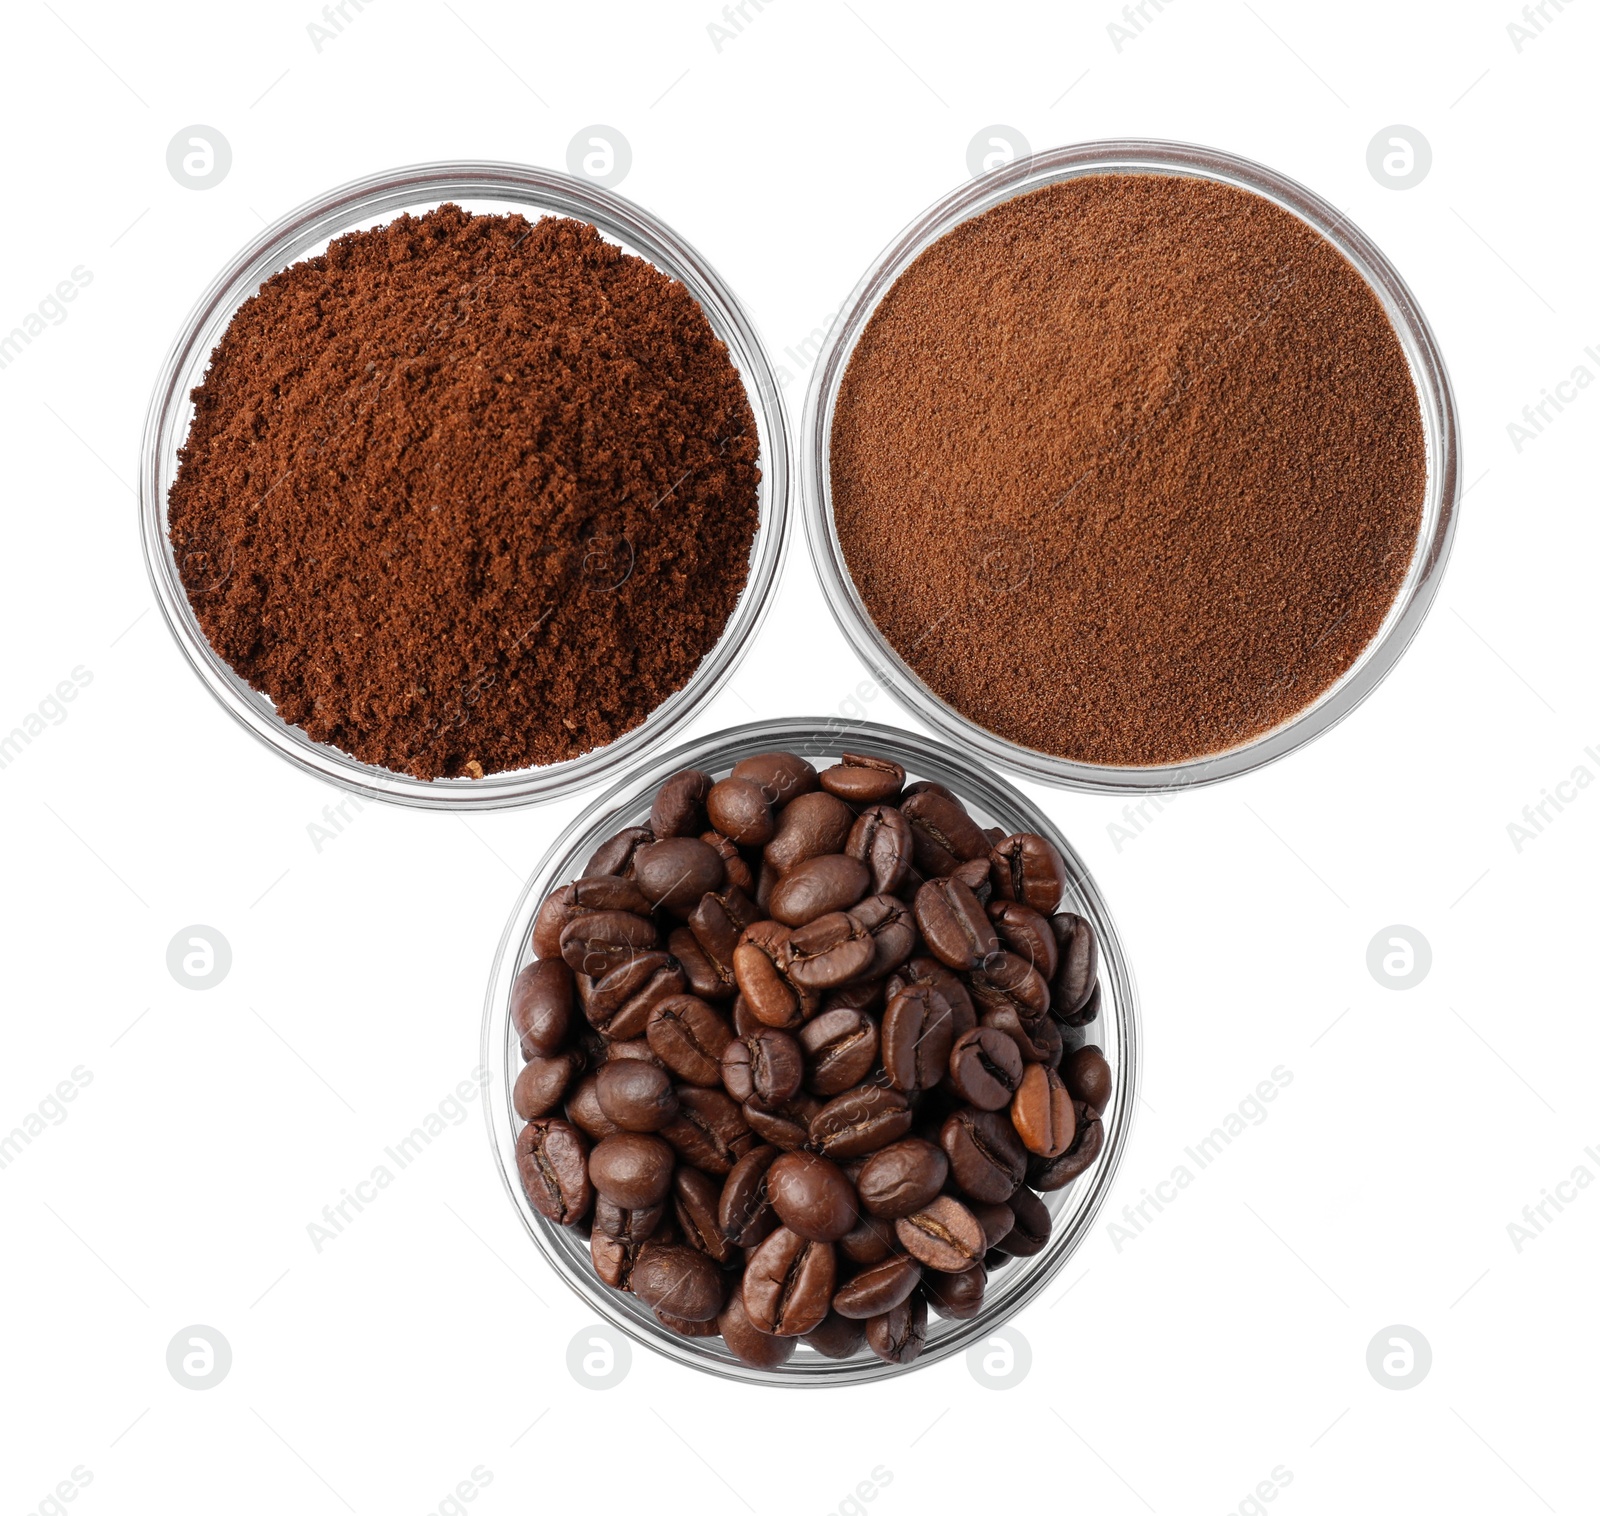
(1226, 1340)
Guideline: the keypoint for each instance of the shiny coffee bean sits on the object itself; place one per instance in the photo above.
(632, 1169)
(942, 833)
(1026, 867)
(1037, 1038)
(987, 1159)
(985, 1068)
(746, 1341)
(615, 854)
(551, 1163)
(829, 951)
(996, 1218)
(698, 970)
(789, 1283)
(679, 1280)
(638, 1096)
(1088, 1012)
(1088, 1137)
(771, 998)
(957, 1297)
(787, 1126)
(740, 811)
(863, 780)
(1087, 1077)
(1041, 1111)
(541, 1006)
(893, 932)
(679, 809)
(923, 970)
(837, 1337)
(673, 874)
(860, 1121)
(812, 1197)
(734, 868)
(975, 875)
(840, 1048)
(869, 1241)
(766, 1066)
(579, 898)
(881, 838)
(543, 1081)
(744, 1209)
(781, 777)
(879, 1289)
(1024, 932)
(898, 1335)
(901, 1178)
(817, 885)
(943, 1235)
(598, 942)
(1030, 1228)
(709, 1130)
(613, 1259)
(618, 1003)
(1004, 981)
(1079, 965)
(624, 1225)
(809, 827)
(696, 1206)
(916, 1038)
(689, 1038)
(583, 1110)
(955, 927)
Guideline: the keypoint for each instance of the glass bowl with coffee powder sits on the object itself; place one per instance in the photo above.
(1132, 465)
(1110, 1022)
(465, 484)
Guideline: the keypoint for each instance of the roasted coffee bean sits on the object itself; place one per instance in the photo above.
(840, 1048)
(1037, 1038)
(744, 1021)
(551, 1162)
(893, 931)
(928, 785)
(1004, 981)
(782, 777)
(879, 1289)
(812, 1197)
(1030, 1228)
(1027, 867)
(997, 1218)
(543, 1081)
(771, 998)
(615, 854)
(837, 1337)
(925, 970)
(957, 1297)
(789, 1283)
(638, 1096)
(881, 839)
(687, 1328)
(1024, 932)
(863, 995)
(680, 1280)
(863, 780)
(746, 1341)
(631, 1169)
(718, 921)
(766, 1066)
(673, 874)
(817, 885)
(618, 1004)
(1056, 1173)
(740, 811)
(744, 1209)
(541, 1006)
(901, 1178)
(1079, 966)
(942, 833)
(598, 942)
(614, 1259)
(1087, 1077)
(955, 927)
(709, 1130)
(987, 1159)
(860, 1121)
(734, 868)
(828, 952)
(638, 1048)
(1090, 1009)
(625, 1225)
(974, 873)
(689, 1038)
(787, 1126)
(583, 1110)
(898, 1335)
(561, 907)
(916, 1038)
(698, 969)
(1041, 1111)
(869, 1241)
(679, 809)
(985, 1068)
(809, 827)
(696, 1203)
(943, 1235)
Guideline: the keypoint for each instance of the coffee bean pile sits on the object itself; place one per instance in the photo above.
(796, 1056)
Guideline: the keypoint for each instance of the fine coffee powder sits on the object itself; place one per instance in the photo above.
(467, 493)
(1130, 468)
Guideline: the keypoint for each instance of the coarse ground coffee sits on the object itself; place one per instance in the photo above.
(467, 493)
(1129, 468)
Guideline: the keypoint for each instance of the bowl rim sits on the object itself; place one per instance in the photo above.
(823, 735)
(364, 202)
(1435, 399)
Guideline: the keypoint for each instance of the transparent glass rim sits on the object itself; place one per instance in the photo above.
(362, 202)
(1075, 1208)
(1434, 394)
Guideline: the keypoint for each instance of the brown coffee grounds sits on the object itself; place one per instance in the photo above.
(1130, 468)
(467, 493)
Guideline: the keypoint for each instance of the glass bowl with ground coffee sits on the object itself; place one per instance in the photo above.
(1004, 1090)
(1131, 465)
(465, 484)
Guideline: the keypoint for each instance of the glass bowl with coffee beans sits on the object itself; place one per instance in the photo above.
(814, 1053)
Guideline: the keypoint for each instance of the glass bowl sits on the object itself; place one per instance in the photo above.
(477, 187)
(992, 802)
(1435, 399)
